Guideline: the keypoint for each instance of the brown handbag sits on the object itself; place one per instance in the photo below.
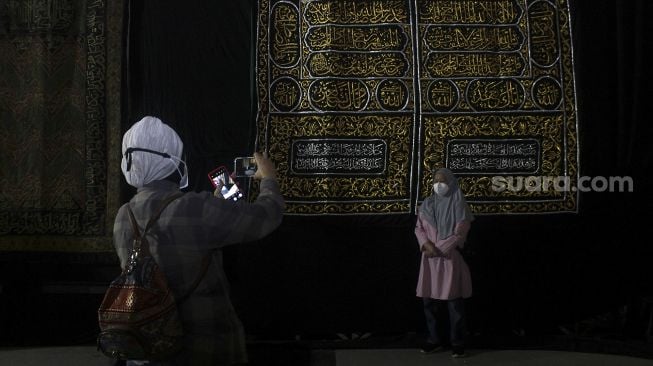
(138, 316)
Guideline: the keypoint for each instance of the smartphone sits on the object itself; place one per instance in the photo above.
(221, 178)
(244, 167)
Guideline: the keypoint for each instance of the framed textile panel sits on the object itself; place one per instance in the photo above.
(360, 100)
(60, 113)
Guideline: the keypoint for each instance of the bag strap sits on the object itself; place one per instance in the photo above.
(135, 228)
(139, 237)
(158, 213)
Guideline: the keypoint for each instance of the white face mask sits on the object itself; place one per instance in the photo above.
(440, 188)
(183, 183)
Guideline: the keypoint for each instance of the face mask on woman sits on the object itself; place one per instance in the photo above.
(440, 188)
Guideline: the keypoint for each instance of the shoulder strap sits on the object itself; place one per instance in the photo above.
(140, 237)
(135, 228)
(164, 204)
(137, 234)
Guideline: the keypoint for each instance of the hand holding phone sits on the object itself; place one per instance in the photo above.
(265, 167)
(245, 167)
(224, 183)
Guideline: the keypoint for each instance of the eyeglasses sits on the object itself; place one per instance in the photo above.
(129, 151)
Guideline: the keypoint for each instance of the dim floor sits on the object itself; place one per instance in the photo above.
(88, 356)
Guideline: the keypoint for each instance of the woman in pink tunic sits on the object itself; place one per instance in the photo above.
(444, 279)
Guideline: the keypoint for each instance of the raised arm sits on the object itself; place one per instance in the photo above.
(236, 222)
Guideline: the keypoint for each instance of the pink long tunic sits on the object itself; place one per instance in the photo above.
(445, 277)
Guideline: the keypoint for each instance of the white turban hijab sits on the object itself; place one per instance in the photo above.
(151, 151)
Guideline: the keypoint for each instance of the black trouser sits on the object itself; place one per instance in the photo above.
(433, 312)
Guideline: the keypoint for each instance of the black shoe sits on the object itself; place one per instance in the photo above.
(458, 352)
(429, 347)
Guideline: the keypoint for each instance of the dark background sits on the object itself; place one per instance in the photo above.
(588, 274)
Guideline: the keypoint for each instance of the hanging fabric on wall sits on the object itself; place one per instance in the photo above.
(60, 111)
(360, 100)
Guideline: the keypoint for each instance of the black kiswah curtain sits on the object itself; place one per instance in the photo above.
(191, 65)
